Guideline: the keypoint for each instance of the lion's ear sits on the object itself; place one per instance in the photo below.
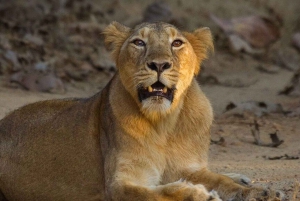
(115, 35)
(202, 43)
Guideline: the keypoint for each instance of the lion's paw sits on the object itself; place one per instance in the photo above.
(199, 193)
(239, 178)
(214, 196)
(183, 190)
(260, 194)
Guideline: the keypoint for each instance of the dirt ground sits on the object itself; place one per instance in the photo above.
(239, 78)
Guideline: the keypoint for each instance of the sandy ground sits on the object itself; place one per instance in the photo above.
(238, 153)
(238, 74)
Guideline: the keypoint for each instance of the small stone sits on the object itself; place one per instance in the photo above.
(34, 39)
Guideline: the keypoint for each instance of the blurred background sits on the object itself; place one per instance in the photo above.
(54, 49)
(54, 45)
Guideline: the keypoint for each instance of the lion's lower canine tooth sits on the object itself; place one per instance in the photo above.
(165, 89)
(150, 89)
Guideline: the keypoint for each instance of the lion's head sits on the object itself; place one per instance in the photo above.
(157, 62)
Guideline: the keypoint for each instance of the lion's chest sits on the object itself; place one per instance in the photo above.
(182, 151)
(183, 156)
(163, 152)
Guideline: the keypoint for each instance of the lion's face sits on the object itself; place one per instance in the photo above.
(157, 62)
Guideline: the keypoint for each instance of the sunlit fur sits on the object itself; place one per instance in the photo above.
(132, 61)
(112, 146)
(156, 105)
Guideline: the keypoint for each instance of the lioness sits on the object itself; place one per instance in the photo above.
(145, 136)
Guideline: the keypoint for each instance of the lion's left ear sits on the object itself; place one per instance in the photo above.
(202, 43)
(115, 35)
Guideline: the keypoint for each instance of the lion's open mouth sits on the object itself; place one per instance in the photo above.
(156, 90)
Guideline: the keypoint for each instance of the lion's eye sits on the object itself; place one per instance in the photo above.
(177, 43)
(139, 42)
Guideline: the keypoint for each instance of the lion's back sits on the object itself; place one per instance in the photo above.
(31, 118)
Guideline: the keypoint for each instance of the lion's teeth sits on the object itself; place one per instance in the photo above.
(165, 89)
(150, 89)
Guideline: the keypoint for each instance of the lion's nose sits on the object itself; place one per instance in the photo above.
(159, 67)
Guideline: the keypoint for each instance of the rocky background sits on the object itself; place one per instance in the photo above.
(54, 49)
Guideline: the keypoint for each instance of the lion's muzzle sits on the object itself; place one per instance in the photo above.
(159, 67)
(156, 90)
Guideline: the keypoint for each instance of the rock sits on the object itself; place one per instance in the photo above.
(33, 40)
(296, 40)
(4, 42)
(12, 57)
(294, 113)
(87, 27)
(212, 79)
(252, 107)
(293, 88)
(38, 78)
(77, 39)
(41, 67)
(102, 60)
(3, 66)
(237, 44)
(287, 57)
(80, 73)
(268, 68)
(158, 11)
(258, 32)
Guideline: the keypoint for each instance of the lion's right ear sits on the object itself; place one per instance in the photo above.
(115, 35)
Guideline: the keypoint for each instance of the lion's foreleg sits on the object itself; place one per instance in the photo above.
(228, 189)
(183, 190)
(224, 185)
(176, 191)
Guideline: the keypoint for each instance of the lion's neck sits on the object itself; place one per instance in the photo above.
(136, 123)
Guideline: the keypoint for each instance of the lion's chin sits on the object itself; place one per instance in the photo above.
(156, 104)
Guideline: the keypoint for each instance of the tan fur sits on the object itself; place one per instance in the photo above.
(112, 146)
